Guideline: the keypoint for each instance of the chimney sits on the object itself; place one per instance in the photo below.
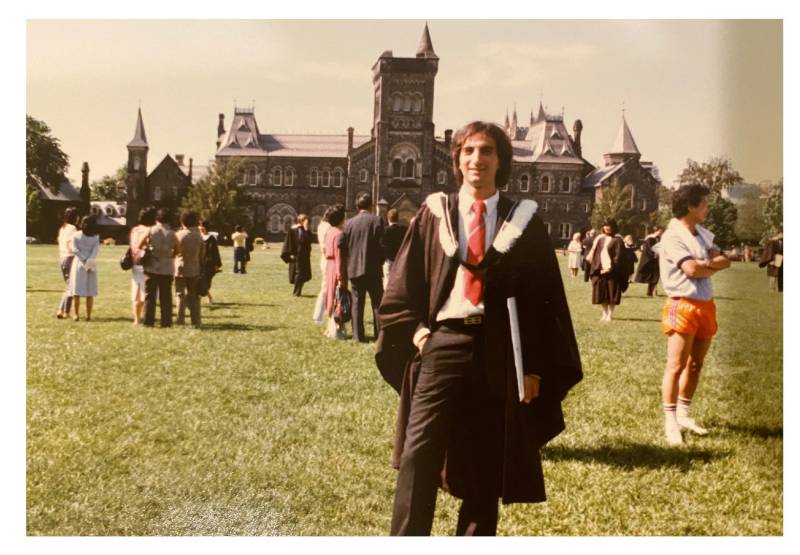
(448, 137)
(179, 159)
(85, 192)
(577, 127)
(190, 171)
(350, 139)
(220, 130)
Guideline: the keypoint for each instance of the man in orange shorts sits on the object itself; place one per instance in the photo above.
(687, 260)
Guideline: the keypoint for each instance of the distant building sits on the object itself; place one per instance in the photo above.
(400, 162)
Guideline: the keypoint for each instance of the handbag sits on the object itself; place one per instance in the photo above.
(143, 256)
(126, 262)
(342, 308)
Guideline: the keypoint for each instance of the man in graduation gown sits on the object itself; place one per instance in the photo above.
(297, 253)
(446, 345)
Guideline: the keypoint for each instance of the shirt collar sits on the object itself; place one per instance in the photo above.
(465, 201)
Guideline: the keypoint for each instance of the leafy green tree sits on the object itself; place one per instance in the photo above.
(45, 163)
(716, 174)
(214, 196)
(616, 203)
(33, 209)
(110, 187)
(773, 211)
(663, 214)
(721, 221)
(750, 222)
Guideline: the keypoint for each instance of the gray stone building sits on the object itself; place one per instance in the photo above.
(400, 162)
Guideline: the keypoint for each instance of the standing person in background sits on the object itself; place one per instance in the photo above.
(212, 263)
(296, 253)
(606, 269)
(188, 264)
(392, 237)
(773, 260)
(147, 217)
(335, 271)
(575, 250)
(322, 230)
(688, 258)
(160, 269)
(360, 244)
(65, 257)
(648, 272)
(587, 243)
(239, 239)
(628, 261)
(83, 274)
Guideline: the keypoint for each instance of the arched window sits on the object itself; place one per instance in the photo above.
(252, 175)
(397, 103)
(565, 230)
(407, 104)
(364, 176)
(524, 183)
(409, 168)
(338, 178)
(644, 204)
(397, 167)
(275, 223)
(565, 185)
(417, 105)
(289, 178)
(277, 176)
(288, 221)
(313, 177)
(156, 193)
(545, 187)
(326, 178)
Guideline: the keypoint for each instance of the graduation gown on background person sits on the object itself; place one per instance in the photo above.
(521, 263)
(296, 252)
(647, 271)
(607, 288)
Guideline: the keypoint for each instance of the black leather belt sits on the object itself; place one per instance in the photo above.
(472, 323)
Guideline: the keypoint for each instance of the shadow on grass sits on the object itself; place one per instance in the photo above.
(232, 326)
(634, 456)
(218, 305)
(727, 298)
(763, 432)
(638, 319)
(44, 290)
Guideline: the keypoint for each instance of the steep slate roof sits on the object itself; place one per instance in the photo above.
(67, 192)
(425, 48)
(139, 138)
(624, 142)
(596, 178)
(547, 141)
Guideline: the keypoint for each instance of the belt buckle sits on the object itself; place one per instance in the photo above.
(471, 320)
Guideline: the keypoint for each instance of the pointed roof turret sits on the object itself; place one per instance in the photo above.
(425, 48)
(541, 116)
(624, 143)
(514, 117)
(533, 119)
(139, 138)
(507, 123)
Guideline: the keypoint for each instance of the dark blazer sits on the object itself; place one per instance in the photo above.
(422, 278)
(360, 244)
(392, 237)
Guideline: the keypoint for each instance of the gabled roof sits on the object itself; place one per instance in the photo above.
(322, 146)
(548, 141)
(624, 143)
(67, 192)
(596, 178)
(139, 137)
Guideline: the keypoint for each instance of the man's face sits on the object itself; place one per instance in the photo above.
(698, 213)
(478, 162)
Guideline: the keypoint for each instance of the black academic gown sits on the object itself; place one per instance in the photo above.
(296, 252)
(422, 277)
(648, 271)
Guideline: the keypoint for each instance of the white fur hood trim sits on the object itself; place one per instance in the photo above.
(510, 231)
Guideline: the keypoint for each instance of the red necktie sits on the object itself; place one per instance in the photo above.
(473, 281)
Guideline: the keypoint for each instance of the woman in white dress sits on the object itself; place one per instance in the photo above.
(322, 231)
(65, 256)
(147, 217)
(574, 249)
(83, 276)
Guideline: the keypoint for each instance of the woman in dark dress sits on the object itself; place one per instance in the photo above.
(606, 269)
(648, 272)
(296, 253)
(211, 264)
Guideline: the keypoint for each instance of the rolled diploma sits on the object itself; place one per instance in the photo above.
(516, 343)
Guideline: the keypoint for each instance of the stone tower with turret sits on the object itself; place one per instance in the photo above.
(403, 127)
(137, 172)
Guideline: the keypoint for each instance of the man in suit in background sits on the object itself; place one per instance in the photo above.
(360, 245)
(392, 237)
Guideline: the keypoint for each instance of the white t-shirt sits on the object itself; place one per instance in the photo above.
(65, 240)
(678, 245)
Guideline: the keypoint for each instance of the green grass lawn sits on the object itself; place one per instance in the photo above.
(256, 424)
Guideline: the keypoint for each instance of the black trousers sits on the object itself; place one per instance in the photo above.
(361, 286)
(298, 288)
(158, 286)
(451, 406)
(239, 260)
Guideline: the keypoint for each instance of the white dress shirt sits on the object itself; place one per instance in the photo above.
(457, 305)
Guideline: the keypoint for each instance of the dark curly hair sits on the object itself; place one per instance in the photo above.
(501, 140)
